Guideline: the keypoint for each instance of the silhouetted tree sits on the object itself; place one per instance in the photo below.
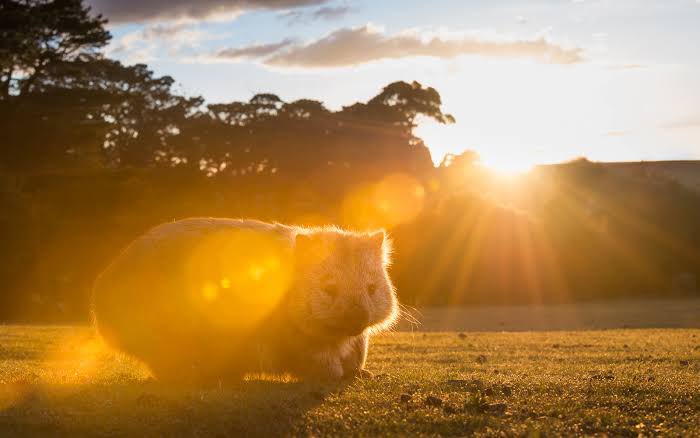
(400, 103)
(35, 35)
(44, 122)
(267, 136)
(304, 109)
(142, 113)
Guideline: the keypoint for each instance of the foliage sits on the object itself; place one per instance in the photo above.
(38, 35)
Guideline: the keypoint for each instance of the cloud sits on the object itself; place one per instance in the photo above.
(292, 17)
(360, 45)
(139, 11)
(326, 13)
(627, 66)
(142, 45)
(616, 133)
(691, 122)
(252, 51)
(164, 31)
(331, 12)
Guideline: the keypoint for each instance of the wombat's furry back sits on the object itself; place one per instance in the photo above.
(207, 299)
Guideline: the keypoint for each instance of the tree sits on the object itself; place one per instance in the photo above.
(65, 105)
(142, 111)
(305, 109)
(35, 35)
(44, 46)
(53, 130)
(400, 103)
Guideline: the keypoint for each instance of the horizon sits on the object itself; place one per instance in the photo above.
(527, 83)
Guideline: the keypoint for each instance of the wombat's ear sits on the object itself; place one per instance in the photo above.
(379, 241)
(377, 238)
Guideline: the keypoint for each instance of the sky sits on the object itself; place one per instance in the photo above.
(527, 81)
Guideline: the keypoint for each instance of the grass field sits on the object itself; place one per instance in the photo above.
(595, 315)
(59, 381)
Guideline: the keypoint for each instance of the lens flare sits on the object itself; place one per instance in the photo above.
(400, 198)
(396, 199)
(75, 359)
(210, 291)
(238, 276)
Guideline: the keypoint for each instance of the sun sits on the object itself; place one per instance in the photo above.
(508, 165)
(504, 157)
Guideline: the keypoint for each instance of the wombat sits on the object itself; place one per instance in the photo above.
(208, 299)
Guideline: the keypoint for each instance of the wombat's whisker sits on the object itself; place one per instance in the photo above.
(406, 314)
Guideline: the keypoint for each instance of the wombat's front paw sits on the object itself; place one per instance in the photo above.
(364, 374)
(359, 374)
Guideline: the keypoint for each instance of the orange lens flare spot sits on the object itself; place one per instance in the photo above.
(434, 185)
(272, 263)
(256, 272)
(400, 198)
(75, 359)
(210, 291)
(394, 200)
(245, 272)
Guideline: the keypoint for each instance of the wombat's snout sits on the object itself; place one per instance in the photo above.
(355, 319)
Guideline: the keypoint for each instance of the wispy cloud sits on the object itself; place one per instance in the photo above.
(142, 45)
(360, 45)
(615, 133)
(327, 13)
(139, 11)
(253, 51)
(331, 12)
(627, 66)
(690, 122)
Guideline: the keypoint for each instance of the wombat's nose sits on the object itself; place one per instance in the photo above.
(356, 317)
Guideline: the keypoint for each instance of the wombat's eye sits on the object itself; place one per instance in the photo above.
(371, 288)
(331, 290)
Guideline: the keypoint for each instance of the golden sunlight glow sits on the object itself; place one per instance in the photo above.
(508, 165)
(238, 277)
(312, 220)
(256, 271)
(271, 377)
(210, 291)
(76, 359)
(394, 200)
(13, 393)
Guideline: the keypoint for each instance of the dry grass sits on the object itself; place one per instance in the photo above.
(56, 381)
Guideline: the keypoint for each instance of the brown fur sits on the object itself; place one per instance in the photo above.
(307, 304)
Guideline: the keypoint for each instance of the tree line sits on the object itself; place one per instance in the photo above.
(94, 152)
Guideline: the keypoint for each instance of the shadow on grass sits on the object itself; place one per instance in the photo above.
(58, 381)
(137, 408)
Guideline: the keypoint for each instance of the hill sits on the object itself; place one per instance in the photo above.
(685, 172)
